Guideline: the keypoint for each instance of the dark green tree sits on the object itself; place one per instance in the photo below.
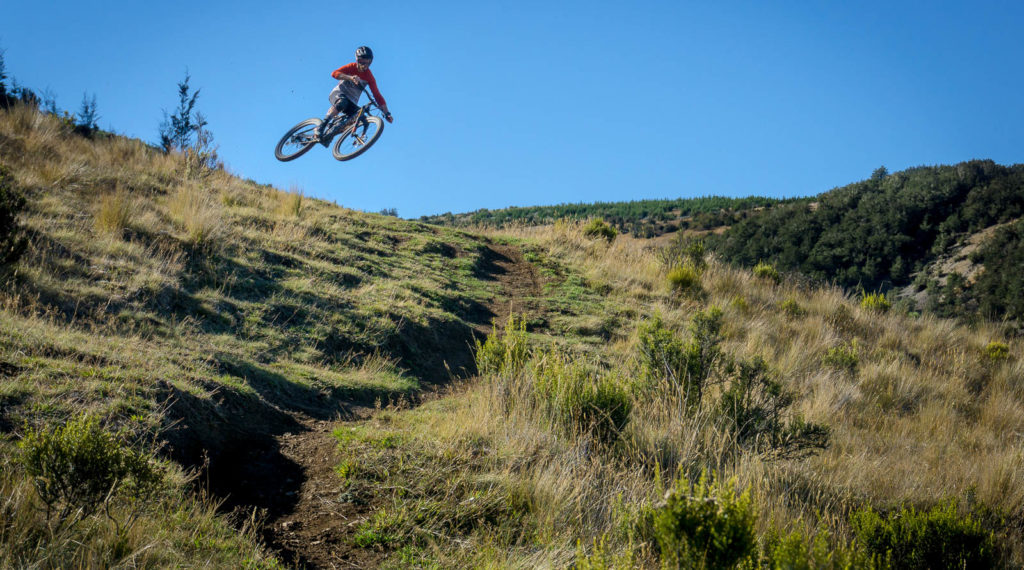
(178, 130)
(88, 116)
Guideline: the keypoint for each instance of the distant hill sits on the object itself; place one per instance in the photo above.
(901, 230)
(641, 218)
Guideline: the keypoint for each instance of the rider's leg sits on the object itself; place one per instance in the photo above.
(327, 119)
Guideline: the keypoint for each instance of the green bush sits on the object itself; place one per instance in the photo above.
(791, 309)
(663, 356)
(598, 228)
(80, 468)
(938, 538)
(603, 557)
(875, 302)
(767, 272)
(755, 408)
(685, 250)
(798, 551)
(12, 239)
(842, 357)
(684, 277)
(997, 351)
(580, 400)
(707, 525)
(503, 354)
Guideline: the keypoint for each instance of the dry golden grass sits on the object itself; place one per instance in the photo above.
(196, 211)
(115, 212)
(290, 203)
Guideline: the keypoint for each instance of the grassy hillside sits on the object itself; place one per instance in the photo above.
(207, 312)
(561, 455)
(636, 406)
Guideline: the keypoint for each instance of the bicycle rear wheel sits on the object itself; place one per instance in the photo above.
(297, 141)
(358, 138)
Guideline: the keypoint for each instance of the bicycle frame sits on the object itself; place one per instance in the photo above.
(358, 119)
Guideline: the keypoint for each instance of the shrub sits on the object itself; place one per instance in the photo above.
(875, 302)
(664, 357)
(767, 272)
(997, 351)
(598, 228)
(80, 468)
(842, 357)
(685, 250)
(661, 353)
(739, 303)
(580, 400)
(791, 309)
(706, 525)
(115, 212)
(797, 550)
(504, 355)
(683, 277)
(703, 350)
(754, 409)
(602, 557)
(938, 538)
(12, 239)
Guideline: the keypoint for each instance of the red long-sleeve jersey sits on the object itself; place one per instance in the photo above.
(367, 76)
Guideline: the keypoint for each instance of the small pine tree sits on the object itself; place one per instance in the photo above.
(87, 116)
(4, 99)
(177, 130)
(50, 102)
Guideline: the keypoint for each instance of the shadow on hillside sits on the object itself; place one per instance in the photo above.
(487, 265)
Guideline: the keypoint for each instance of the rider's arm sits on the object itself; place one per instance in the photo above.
(346, 73)
(372, 81)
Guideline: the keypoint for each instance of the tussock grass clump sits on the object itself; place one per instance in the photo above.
(115, 212)
(684, 278)
(598, 228)
(195, 211)
(290, 203)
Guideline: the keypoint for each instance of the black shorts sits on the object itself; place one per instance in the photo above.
(343, 105)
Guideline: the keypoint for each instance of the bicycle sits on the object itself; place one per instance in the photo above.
(358, 133)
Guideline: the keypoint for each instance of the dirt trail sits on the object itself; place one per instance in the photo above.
(310, 521)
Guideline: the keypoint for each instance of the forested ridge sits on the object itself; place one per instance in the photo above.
(643, 218)
(882, 232)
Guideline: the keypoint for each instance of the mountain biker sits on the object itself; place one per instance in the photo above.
(345, 95)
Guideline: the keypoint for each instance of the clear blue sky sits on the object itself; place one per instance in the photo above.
(527, 102)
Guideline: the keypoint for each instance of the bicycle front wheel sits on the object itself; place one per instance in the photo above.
(358, 138)
(297, 141)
